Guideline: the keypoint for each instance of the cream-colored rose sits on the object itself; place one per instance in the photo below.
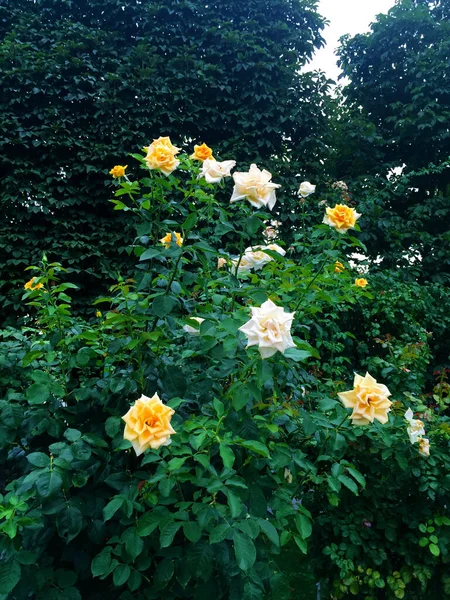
(341, 217)
(288, 475)
(259, 257)
(306, 189)
(245, 264)
(221, 262)
(368, 399)
(214, 171)
(424, 446)
(256, 186)
(415, 428)
(270, 233)
(269, 329)
(192, 330)
(161, 155)
(148, 424)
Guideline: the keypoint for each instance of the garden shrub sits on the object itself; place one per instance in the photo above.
(263, 458)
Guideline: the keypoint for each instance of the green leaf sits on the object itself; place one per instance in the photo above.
(358, 476)
(39, 459)
(9, 576)
(304, 525)
(25, 557)
(227, 455)
(434, 549)
(121, 574)
(168, 533)
(147, 524)
(297, 355)
(162, 305)
(270, 531)
(48, 484)
(235, 503)
(38, 393)
(113, 425)
(244, 550)
(218, 407)
(150, 253)
(349, 483)
(423, 542)
(176, 463)
(192, 531)
(190, 222)
(72, 435)
(111, 508)
(69, 523)
(257, 447)
(301, 543)
(219, 533)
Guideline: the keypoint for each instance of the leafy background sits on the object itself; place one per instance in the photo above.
(83, 86)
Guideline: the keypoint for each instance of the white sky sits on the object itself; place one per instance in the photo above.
(344, 16)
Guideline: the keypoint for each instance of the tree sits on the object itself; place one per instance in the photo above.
(83, 81)
(399, 90)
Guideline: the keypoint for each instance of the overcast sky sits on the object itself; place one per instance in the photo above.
(344, 16)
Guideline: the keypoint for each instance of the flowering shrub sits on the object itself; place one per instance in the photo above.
(196, 429)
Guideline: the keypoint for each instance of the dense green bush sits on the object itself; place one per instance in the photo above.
(85, 82)
(264, 457)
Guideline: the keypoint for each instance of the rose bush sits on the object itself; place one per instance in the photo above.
(193, 434)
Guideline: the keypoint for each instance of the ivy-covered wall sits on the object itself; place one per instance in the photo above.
(85, 82)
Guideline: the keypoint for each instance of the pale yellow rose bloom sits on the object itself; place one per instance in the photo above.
(288, 475)
(118, 171)
(214, 171)
(202, 152)
(341, 217)
(161, 155)
(415, 428)
(192, 330)
(256, 186)
(368, 399)
(148, 424)
(167, 239)
(259, 258)
(424, 446)
(338, 267)
(269, 329)
(30, 285)
(306, 189)
(361, 282)
(245, 264)
(221, 262)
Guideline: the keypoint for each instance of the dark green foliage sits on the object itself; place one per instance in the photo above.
(396, 115)
(83, 83)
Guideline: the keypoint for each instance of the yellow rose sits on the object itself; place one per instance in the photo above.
(148, 424)
(167, 239)
(98, 313)
(338, 267)
(361, 282)
(424, 446)
(202, 153)
(221, 262)
(341, 217)
(30, 285)
(368, 399)
(118, 171)
(161, 155)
